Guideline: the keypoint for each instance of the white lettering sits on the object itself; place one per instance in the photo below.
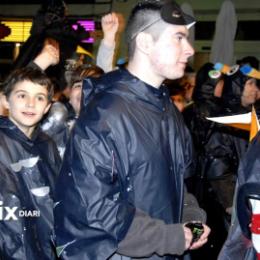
(10, 213)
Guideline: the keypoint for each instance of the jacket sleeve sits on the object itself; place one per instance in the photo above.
(91, 215)
(33, 65)
(105, 56)
(147, 236)
(191, 209)
(12, 245)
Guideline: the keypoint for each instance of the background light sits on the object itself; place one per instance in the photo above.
(20, 30)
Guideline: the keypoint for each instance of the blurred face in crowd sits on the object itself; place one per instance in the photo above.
(189, 84)
(179, 102)
(2, 107)
(170, 52)
(219, 89)
(250, 93)
(27, 103)
(75, 96)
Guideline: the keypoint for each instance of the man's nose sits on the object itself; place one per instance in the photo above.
(189, 49)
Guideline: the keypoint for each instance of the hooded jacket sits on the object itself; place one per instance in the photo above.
(218, 147)
(214, 146)
(238, 244)
(129, 151)
(28, 170)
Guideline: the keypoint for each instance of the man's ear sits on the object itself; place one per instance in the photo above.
(144, 42)
(47, 108)
(5, 101)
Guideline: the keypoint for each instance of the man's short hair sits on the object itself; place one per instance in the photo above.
(27, 74)
(150, 16)
(142, 15)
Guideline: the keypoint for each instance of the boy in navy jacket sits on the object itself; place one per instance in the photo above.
(29, 163)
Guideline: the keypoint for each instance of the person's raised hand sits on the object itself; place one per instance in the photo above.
(49, 55)
(110, 25)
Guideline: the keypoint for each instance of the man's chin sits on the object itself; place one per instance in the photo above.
(176, 76)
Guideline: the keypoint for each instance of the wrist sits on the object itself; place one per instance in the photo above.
(42, 61)
(109, 41)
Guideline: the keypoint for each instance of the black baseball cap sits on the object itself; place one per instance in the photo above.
(173, 14)
(170, 12)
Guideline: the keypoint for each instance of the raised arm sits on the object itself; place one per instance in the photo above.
(49, 55)
(105, 55)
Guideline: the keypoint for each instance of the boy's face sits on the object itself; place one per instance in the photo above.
(27, 104)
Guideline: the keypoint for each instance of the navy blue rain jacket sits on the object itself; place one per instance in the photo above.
(28, 170)
(129, 149)
(237, 245)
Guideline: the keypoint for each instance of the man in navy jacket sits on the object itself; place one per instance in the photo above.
(120, 194)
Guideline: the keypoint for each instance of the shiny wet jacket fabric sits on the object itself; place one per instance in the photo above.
(238, 245)
(28, 170)
(129, 149)
(216, 145)
(56, 125)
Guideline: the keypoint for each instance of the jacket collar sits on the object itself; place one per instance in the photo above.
(122, 82)
(6, 125)
(142, 90)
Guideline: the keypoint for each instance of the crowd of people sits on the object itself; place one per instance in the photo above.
(99, 161)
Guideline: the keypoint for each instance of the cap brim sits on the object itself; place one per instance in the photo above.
(172, 13)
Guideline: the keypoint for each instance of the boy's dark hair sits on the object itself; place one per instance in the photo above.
(27, 74)
(144, 14)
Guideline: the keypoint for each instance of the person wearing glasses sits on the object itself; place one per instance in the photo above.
(121, 193)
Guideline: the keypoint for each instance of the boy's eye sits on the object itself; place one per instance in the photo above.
(21, 96)
(40, 98)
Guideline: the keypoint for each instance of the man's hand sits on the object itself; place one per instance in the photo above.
(110, 26)
(188, 237)
(202, 240)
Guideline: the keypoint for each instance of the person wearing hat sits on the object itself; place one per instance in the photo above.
(120, 192)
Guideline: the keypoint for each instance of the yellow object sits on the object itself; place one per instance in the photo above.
(248, 122)
(81, 50)
(20, 31)
(254, 127)
(254, 73)
(224, 68)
